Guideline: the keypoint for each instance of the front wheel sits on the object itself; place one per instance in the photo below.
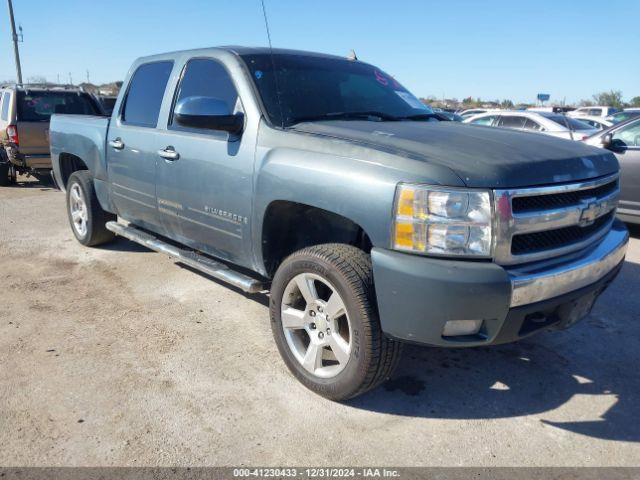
(325, 322)
(86, 216)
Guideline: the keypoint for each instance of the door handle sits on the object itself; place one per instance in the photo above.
(116, 143)
(169, 154)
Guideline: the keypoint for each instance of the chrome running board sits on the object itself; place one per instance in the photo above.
(188, 257)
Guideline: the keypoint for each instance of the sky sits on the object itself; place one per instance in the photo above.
(493, 49)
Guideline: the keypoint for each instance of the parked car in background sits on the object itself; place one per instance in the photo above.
(107, 102)
(598, 123)
(624, 115)
(25, 111)
(593, 111)
(549, 123)
(623, 140)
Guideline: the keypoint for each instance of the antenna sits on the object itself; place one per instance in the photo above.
(273, 63)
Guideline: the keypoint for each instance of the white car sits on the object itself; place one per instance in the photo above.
(548, 123)
(598, 123)
(593, 111)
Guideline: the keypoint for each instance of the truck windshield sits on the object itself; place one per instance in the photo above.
(38, 106)
(326, 88)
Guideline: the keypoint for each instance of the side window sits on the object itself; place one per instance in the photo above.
(488, 121)
(595, 112)
(144, 97)
(509, 121)
(628, 136)
(205, 78)
(533, 125)
(6, 100)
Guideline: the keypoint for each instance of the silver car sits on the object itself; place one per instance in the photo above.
(549, 123)
(623, 140)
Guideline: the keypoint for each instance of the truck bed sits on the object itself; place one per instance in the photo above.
(83, 136)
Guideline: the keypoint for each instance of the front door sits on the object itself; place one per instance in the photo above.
(131, 145)
(204, 188)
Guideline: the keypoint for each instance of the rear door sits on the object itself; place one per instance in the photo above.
(132, 144)
(626, 145)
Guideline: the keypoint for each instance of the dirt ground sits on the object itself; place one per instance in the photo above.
(119, 356)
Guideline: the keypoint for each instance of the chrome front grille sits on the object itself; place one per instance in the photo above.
(544, 222)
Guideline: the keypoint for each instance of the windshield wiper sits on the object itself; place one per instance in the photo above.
(373, 116)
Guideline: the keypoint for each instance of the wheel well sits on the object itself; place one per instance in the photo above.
(290, 226)
(68, 164)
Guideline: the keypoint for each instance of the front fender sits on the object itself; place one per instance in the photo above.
(359, 184)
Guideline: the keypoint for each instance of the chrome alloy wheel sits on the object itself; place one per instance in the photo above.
(78, 210)
(316, 325)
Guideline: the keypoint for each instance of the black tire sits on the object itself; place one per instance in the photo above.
(96, 232)
(373, 356)
(45, 179)
(7, 172)
(5, 175)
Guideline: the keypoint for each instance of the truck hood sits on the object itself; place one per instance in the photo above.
(481, 156)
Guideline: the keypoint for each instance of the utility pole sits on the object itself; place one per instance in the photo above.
(88, 77)
(15, 43)
(70, 79)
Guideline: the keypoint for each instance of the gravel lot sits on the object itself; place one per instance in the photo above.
(118, 356)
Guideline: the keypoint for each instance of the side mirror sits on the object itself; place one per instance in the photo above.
(208, 112)
(607, 140)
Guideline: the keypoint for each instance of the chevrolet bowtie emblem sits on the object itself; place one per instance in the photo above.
(590, 213)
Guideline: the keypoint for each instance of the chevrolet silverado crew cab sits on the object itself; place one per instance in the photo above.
(25, 111)
(326, 182)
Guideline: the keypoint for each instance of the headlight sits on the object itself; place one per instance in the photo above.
(443, 221)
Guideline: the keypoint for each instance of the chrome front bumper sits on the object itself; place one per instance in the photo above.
(536, 286)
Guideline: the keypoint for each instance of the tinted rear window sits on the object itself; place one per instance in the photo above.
(144, 98)
(574, 123)
(108, 103)
(511, 121)
(34, 106)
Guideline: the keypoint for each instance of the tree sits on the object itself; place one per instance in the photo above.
(37, 79)
(634, 102)
(612, 98)
(506, 104)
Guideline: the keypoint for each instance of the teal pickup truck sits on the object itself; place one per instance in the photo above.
(371, 220)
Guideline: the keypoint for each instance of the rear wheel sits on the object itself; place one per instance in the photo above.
(5, 175)
(325, 323)
(86, 217)
(7, 170)
(45, 178)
